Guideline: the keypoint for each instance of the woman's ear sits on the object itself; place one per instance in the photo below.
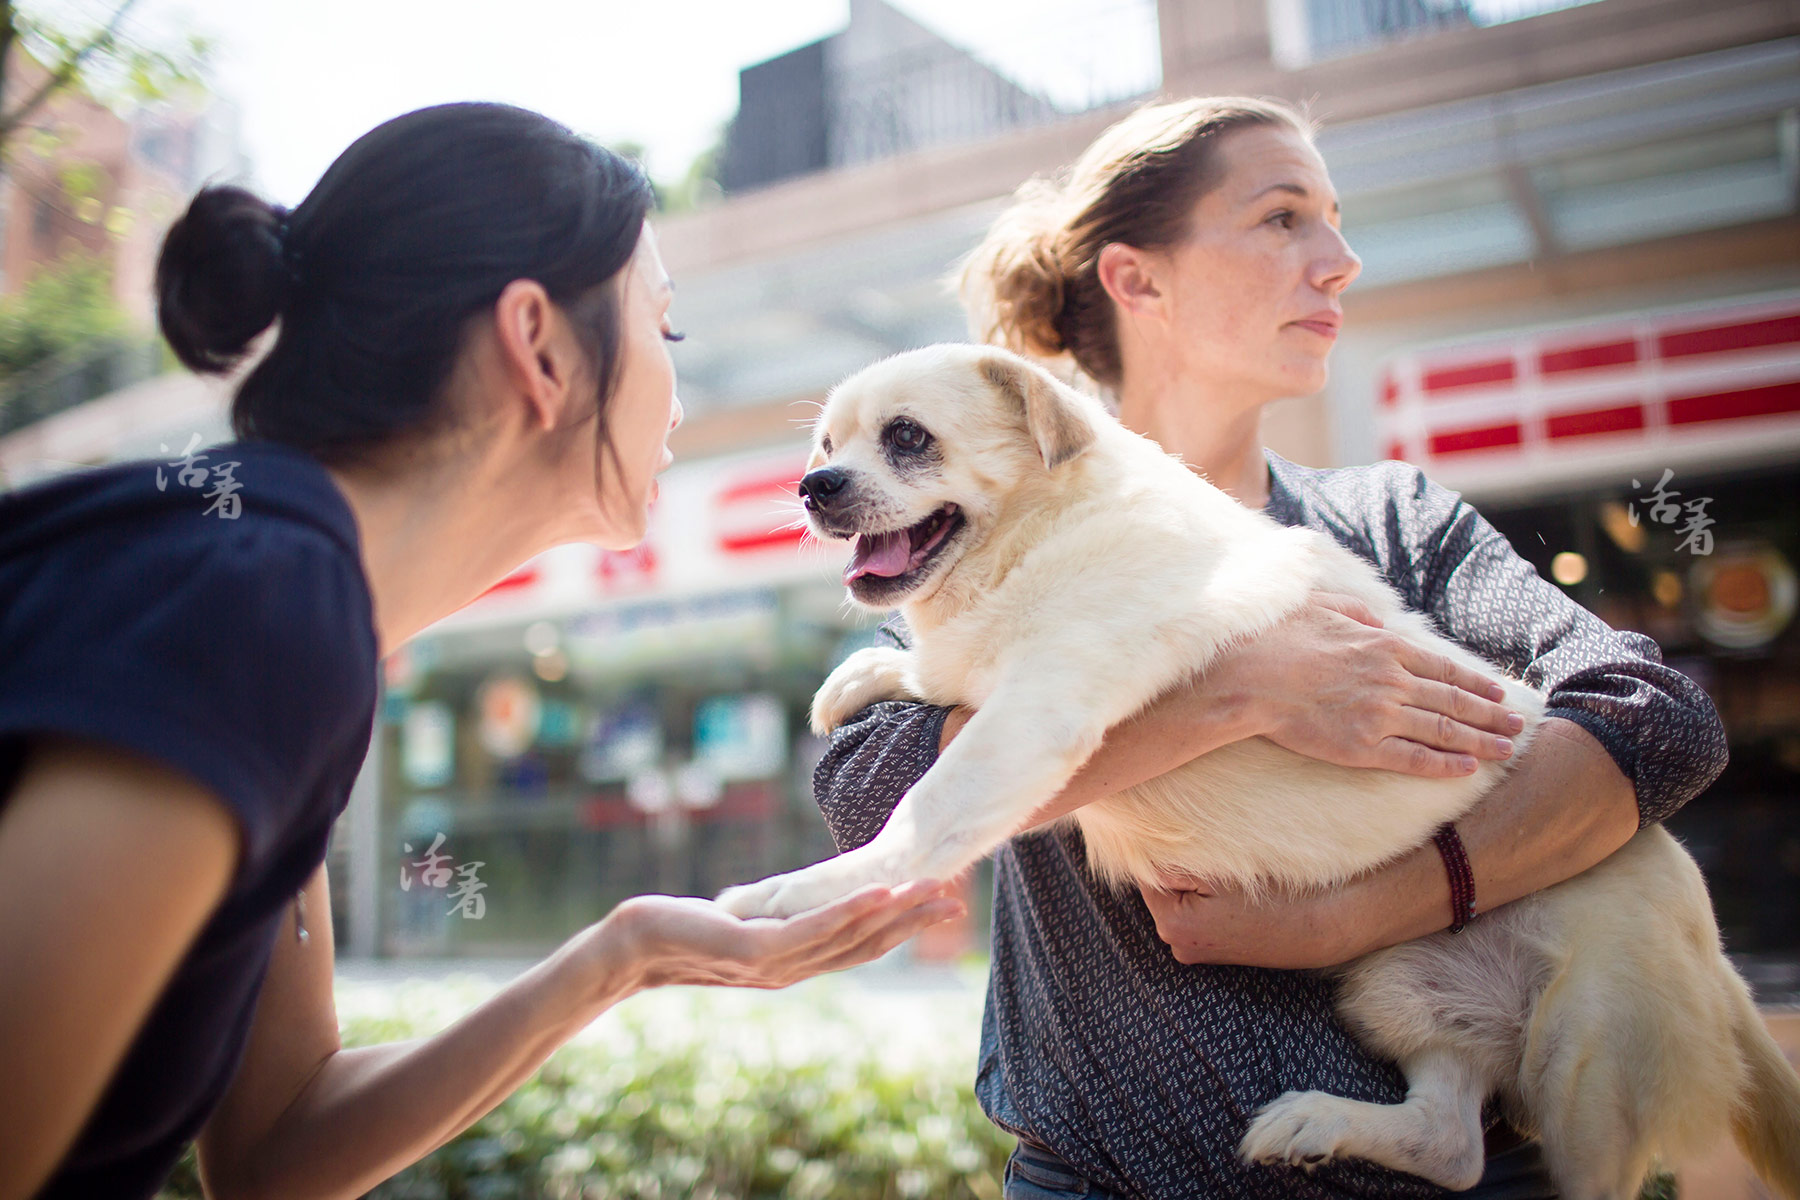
(538, 352)
(1129, 276)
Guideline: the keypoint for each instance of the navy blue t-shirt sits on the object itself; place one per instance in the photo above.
(220, 624)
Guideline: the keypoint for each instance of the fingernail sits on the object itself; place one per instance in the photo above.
(1468, 765)
(1515, 722)
(1496, 692)
(1503, 745)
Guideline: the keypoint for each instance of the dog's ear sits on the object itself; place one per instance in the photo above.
(1053, 414)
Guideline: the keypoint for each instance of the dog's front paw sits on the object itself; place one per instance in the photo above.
(1301, 1129)
(872, 674)
(807, 889)
(748, 900)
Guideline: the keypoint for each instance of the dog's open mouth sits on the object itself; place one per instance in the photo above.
(901, 552)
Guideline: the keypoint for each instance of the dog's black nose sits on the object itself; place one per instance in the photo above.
(819, 487)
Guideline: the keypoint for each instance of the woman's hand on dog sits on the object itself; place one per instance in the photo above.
(1331, 684)
(652, 941)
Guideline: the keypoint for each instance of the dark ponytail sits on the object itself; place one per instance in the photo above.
(415, 229)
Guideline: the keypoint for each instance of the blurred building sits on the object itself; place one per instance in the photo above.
(883, 86)
(83, 180)
(1582, 272)
(80, 177)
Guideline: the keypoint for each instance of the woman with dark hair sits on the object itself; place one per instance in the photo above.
(470, 367)
(1191, 264)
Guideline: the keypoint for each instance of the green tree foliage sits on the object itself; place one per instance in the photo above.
(696, 188)
(699, 186)
(102, 60)
(64, 307)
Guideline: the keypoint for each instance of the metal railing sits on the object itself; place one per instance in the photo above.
(919, 100)
(77, 376)
(1318, 29)
(835, 103)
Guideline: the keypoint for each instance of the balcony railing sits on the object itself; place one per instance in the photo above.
(852, 99)
(1309, 30)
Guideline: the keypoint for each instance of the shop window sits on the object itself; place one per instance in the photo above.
(1725, 615)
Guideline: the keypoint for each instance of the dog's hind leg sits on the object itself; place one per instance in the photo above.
(1593, 1159)
(1434, 1133)
(1588, 1122)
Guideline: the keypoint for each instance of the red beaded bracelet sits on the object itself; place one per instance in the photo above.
(1462, 879)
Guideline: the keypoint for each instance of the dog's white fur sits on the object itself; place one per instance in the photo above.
(1093, 572)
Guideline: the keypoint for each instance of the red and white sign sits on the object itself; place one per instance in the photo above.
(721, 524)
(1708, 386)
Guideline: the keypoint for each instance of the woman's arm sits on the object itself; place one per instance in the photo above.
(1524, 835)
(305, 1117)
(1626, 742)
(109, 867)
(1329, 683)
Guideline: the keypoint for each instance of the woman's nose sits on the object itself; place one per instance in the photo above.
(1338, 266)
(675, 412)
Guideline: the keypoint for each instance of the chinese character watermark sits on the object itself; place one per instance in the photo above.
(469, 900)
(433, 873)
(1664, 510)
(190, 474)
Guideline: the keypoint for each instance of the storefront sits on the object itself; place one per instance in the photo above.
(1650, 465)
(605, 724)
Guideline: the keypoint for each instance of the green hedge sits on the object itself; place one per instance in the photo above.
(711, 1097)
(814, 1093)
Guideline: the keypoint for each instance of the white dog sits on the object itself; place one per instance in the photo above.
(1058, 573)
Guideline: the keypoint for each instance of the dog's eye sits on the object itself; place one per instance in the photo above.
(904, 435)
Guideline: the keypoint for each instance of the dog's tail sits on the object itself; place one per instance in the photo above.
(1767, 1120)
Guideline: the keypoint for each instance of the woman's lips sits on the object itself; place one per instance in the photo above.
(1325, 329)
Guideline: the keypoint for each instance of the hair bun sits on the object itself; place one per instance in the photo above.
(222, 277)
(1015, 284)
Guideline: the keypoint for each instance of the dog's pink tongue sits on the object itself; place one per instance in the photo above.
(885, 555)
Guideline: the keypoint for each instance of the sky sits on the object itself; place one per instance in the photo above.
(310, 76)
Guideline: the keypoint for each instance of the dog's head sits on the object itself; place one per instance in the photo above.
(918, 456)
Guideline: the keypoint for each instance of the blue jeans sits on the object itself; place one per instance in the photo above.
(1032, 1174)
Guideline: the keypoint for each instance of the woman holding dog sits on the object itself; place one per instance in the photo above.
(1192, 265)
(470, 368)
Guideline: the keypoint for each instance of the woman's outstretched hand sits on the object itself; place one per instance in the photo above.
(1332, 684)
(661, 940)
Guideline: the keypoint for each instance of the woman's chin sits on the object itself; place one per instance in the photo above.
(1304, 378)
(627, 532)
(618, 542)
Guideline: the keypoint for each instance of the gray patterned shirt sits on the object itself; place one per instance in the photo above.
(1142, 1073)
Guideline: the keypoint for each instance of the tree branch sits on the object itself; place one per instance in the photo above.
(9, 33)
(62, 75)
